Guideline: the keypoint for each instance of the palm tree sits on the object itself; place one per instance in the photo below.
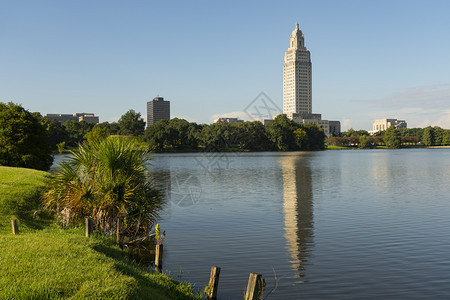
(106, 180)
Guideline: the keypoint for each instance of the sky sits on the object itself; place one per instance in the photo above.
(370, 59)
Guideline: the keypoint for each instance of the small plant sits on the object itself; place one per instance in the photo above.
(208, 289)
(158, 236)
(61, 147)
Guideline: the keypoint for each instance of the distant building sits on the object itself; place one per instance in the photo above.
(297, 85)
(89, 118)
(297, 78)
(62, 118)
(157, 109)
(383, 124)
(335, 127)
(265, 122)
(229, 120)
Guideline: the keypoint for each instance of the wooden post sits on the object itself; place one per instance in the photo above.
(15, 227)
(118, 231)
(89, 226)
(158, 257)
(254, 287)
(213, 283)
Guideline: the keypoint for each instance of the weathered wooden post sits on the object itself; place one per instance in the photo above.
(118, 231)
(254, 287)
(89, 226)
(15, 227)
(158, 257)
(213, 283)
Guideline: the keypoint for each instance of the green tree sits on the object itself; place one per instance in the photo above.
(316, 137)
(76, 131)
(105, 180)
(220, 136)
(111, 128)
(56, 132)
(301, 137)
(446, 139)
(252, 136)
(417, 132)
(96, 134)
(365, 142)
(176, 134)
(280, 132)
(23, 139)
(392, 138)
(339, 141)
(351, 132)
(438, 136)
(428, 136)
(131, 123)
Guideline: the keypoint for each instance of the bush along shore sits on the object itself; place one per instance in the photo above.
(46, 260)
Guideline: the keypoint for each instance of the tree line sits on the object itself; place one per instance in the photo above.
(281, 134)
(29, 139)
(393, 138)
(177, 134)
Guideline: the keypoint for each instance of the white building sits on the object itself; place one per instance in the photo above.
(383, 124)
(297, 85)
(297, 77)
(229, 120)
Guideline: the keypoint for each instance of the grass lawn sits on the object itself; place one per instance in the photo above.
(333, 147)
(45, 261)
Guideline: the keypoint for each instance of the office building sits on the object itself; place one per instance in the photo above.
(157, 109)
(383, 124)
(62, 118)
(297, 76)
(297, 85)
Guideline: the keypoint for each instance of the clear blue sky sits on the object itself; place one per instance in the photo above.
(371, 59)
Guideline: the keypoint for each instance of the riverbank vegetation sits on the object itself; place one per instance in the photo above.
(23, 139)
(47, 261)
(281, 134)
(106, 180)
(178, 135)
(392, 138)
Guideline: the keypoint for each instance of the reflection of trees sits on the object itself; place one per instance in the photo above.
(180, 187)
(298, 208)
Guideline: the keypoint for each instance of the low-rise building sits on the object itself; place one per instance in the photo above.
(62, 118)
(383, 124)
(329, 127)
(229, 120)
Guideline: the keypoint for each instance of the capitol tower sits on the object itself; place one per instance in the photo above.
(297, 77)
(297, 85)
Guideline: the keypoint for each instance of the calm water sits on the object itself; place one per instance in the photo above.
(323, 225)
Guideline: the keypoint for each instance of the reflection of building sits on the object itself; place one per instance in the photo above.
(298, 208)
(87, 117)
(297, 85)
(383, 124)
(157, 109)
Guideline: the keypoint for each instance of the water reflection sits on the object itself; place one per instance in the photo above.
(298, 209)
(180, 187)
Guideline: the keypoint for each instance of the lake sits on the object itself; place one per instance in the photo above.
(372, 224)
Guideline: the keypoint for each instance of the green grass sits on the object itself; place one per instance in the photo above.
(20, 189)
(46, 261)
(333, 147)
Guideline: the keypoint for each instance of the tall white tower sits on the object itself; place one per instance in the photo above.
(297, 77)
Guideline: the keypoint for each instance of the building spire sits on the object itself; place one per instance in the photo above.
(297, 38)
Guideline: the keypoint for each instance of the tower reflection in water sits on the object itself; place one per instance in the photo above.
(298, 209)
